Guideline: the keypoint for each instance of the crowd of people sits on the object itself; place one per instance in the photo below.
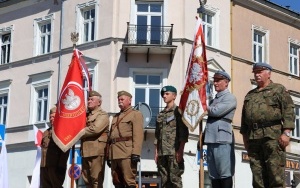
(266, 124)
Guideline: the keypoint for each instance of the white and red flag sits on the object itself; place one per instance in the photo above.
(3, 165)
(193, 99)
(35, 180)
(70, 117)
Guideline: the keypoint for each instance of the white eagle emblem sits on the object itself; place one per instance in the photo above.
(196, 73)
(71, 101)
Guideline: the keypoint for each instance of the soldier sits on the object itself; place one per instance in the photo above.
(126, 139)
(170, 138)
(267, 120)
(53, 161)
(218, 133)
(93, 142)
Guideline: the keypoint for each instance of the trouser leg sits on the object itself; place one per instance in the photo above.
(226, 182)
(216, 183)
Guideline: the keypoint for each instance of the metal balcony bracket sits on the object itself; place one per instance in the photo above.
(171, 56)
(126, 55)
(148, 55)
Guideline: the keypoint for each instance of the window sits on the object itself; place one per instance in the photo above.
(147, 89)
(43, 34)
(149, 21)
(6, 44)
(208, 28)
(40, 100)
(294, 59)
(4, 100)
(5, 48)
(87, 21)
(147, 84)
(45, 38)
(3, 108)
(296, 131)
(259, 44)
(41, 104)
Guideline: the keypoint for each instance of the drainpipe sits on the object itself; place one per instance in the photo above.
(60, 46)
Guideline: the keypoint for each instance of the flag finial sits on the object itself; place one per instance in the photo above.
(74, 38)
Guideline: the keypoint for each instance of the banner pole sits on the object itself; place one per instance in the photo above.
(201, 169)
(72, 166)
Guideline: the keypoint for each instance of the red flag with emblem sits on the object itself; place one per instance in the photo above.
(193, 99)
(70, 117)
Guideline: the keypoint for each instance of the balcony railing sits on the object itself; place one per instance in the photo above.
(147, 34)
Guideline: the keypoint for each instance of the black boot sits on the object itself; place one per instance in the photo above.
(120, 186)
(226, 182)
(216, 183)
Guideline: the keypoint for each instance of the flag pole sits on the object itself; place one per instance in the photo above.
(74, 39)
(201, 169)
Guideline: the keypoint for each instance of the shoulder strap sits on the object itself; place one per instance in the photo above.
(118, 122)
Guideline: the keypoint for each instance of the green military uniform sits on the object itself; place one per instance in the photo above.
(53, 162)
(266, 113)
(169, 132)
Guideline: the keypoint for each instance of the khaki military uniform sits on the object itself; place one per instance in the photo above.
(169, 132)
(53, 162)
(93, 144)
(126, 139)
(266, 113)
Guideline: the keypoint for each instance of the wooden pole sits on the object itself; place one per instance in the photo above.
(201, 169)
(72, 166)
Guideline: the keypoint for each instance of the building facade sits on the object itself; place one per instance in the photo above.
(139, 46)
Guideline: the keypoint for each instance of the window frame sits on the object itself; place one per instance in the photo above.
(5, 90)
(39, 81)
(296, 100)
(296, 44)
(38, 23)
(215, 14)
(79, 20)
(265, 46)
(5, 31)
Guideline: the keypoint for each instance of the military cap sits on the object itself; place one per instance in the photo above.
(167, 88)
(94, 93)
(221, 75)
(52, 110)
(262, 66)
(120, 93)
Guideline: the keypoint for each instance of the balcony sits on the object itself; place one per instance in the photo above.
(148, 40)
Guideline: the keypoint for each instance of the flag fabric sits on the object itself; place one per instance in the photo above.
(38, 135)
(70, 117)
(35, 180)
(193, 98)
(3, 165)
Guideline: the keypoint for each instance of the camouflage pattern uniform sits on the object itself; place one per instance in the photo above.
(169, 132)
(273, 107)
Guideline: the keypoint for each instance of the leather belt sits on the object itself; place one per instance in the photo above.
(114, 140)
(265, 124)
(223, 119)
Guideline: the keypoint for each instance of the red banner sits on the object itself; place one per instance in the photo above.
(70, 117)
(193, 99)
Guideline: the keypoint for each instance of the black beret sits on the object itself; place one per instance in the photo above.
(167, 88)
(120, 93)
(94, 93)
(262, 66)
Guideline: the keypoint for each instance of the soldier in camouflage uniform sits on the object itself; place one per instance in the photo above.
(170, 137)
(267, 120)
